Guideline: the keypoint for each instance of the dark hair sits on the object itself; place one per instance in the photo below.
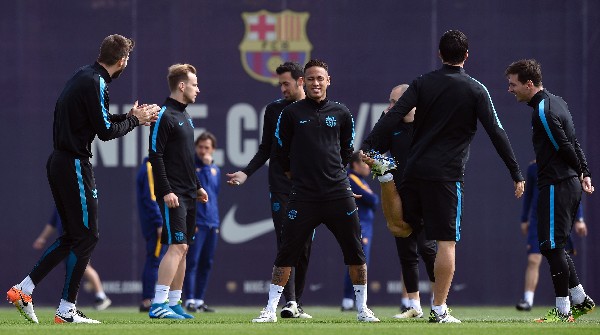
(453, 47)
(355, 158)
(293, 68)
(207, 136)
(114, 48)
(179, 73)
(316, 62)
(526, 69)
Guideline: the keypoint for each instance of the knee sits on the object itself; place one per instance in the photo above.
(180, 249)
(400, 230)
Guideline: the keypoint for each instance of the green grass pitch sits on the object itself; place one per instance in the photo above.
(327, 320)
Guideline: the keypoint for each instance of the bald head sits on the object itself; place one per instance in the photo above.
(395, 96)
(397, 93)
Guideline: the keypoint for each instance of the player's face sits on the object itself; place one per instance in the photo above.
(123, 64)
(316, 80)
(394, 96)
(204, 148)
(291, 89)
(520, 90)
(190, 89)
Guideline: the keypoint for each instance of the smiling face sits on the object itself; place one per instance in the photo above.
(522, 91)
(316, 80)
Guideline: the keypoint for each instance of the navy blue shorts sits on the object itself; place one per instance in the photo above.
(437, 204)
(179, 224)
(302, 217)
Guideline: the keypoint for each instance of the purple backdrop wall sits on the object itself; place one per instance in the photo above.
(370, 47)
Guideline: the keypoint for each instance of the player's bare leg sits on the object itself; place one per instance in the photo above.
(444, 271)
(390, 199)
(392, 210)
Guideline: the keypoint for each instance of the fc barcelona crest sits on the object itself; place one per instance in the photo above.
(272, 39)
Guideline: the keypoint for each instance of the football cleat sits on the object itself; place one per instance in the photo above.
(554, 315)
(587, 306)
(366, 315)
(163, 311)
(204, 308)
(102, 304)
(302, 314)
(266, 316)
(403, 308)
(72, 316)
(179, 310)
(409, 314)
(381, 164)
(523, 305)
(22, 302)
(191, 307)
(290, 310)
(444, 318)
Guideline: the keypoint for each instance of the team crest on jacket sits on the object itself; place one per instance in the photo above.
(272, 39)
(330, 121)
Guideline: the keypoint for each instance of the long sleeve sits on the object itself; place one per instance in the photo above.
(347, 139)
(265, 147)
(159, 133)
(379, 138)
(283, 135)
(555, 131)
(96, 101)
(486, 113)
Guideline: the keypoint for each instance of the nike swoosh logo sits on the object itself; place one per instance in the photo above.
(303, 121)
(235, 233)
(181, 123)
(397, 133)
(350, 213)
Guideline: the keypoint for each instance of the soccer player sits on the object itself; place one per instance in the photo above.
(529, 229)
(200, 254)
(367, 203)
(177, 188)
(101, 301)
(151, 223)
(314, 142)
(291, 84)
(81, 113)
(408, 248)
(562, 175)
(449, 102)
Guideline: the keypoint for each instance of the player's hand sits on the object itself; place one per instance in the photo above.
(525, 227)
(586, 183)
(368, 160)
(202, 196)
(171, 200)
(519, 188)
(237, 178)
(145, 113)
(39, 243)
(288, 174)
(580, 228)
